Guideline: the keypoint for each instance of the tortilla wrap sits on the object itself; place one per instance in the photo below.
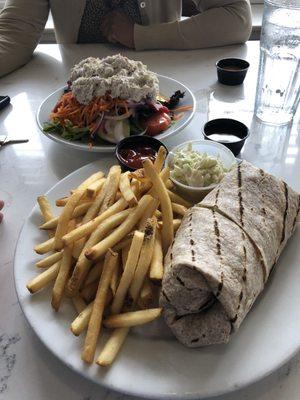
(223, 253)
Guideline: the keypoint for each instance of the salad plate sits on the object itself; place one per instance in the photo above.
(168, 87)
(152, 364)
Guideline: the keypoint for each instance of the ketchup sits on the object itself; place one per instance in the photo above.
(135, 157)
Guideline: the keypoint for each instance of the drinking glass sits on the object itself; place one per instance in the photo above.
(278, 85)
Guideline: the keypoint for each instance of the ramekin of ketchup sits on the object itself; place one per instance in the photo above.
(133, 150)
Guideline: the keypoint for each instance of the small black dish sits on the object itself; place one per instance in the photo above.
(134, 143)
(229, 132)
(232, 71)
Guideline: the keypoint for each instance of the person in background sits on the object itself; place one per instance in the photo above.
(136, 24)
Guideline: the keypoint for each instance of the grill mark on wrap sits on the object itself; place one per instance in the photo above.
(286, 194)
(297, 212)
(240, 196)
(217, 197)
(219, 252)
(191, 240)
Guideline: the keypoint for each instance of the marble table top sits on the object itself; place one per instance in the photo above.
(27, 369)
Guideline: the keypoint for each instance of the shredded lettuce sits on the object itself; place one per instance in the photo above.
(193, 168)
(68, 131)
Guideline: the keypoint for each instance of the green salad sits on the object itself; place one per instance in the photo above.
(192, 168)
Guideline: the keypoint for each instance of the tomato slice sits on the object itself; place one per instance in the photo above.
(156, 124)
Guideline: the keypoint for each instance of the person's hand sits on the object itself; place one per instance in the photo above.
(1, 206)
(118, 27)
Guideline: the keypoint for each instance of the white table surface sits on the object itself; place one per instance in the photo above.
(27, 369)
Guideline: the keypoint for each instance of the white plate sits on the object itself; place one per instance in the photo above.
(167, 86)
(152, 363)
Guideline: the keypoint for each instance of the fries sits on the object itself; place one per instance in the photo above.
(144, 259)
(133, 318)
(89, 227)
(78, 212)
(42, 280)
(45, 247)
(94, 188)
(166, 207)
(156, 267)
(79, 304)
(112, 347)
(126, 190)
(63, 273)
(179, 209)
(90, 180)
(82, 320)
(45, 210)
(99, 249)
(128, 272)
(175, 198)
(64, 219)
(146, 295)
(94, 326)
(50, 260)
(108, 228)
(160, 159)
(83, 265)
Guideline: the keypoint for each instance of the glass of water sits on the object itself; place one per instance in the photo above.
(278, 85)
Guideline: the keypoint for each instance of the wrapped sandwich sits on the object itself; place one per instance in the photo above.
(223, 254)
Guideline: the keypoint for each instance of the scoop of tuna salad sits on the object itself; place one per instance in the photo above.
(118, 75)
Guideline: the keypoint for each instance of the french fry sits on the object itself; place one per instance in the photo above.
(43, 279)
(146, 294)
(99, 205)
(112, 347)
(157, 263)
(133, 318)
(169, 184)
(45, 247)
(62, 201)
(115, 278)
(50, 260)
(79, 304)
(125, 252)
(176, 224)
(106, 196)
(46, 211)
(88, 292)
(94, 187)
(149, 212)
(118, 234)
(63, 274)
(175, 198)
(128, 272)
(123, 243)
(89, 227)
(78, 212)
(91, 179)
(144, 259)
(126, 190)
(82, 320)
(165, 202)
(95, 322)
(179, 209)
(160, 159)
(94, 273)
(83, 264)
(64, 218)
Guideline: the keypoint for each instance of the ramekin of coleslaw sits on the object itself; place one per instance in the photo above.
(196, 167)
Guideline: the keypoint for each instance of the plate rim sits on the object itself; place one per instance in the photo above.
(233, 387)
(110, 148)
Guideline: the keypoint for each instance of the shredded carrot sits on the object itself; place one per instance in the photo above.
(177, 117)
(183, 108)
(68, 108)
